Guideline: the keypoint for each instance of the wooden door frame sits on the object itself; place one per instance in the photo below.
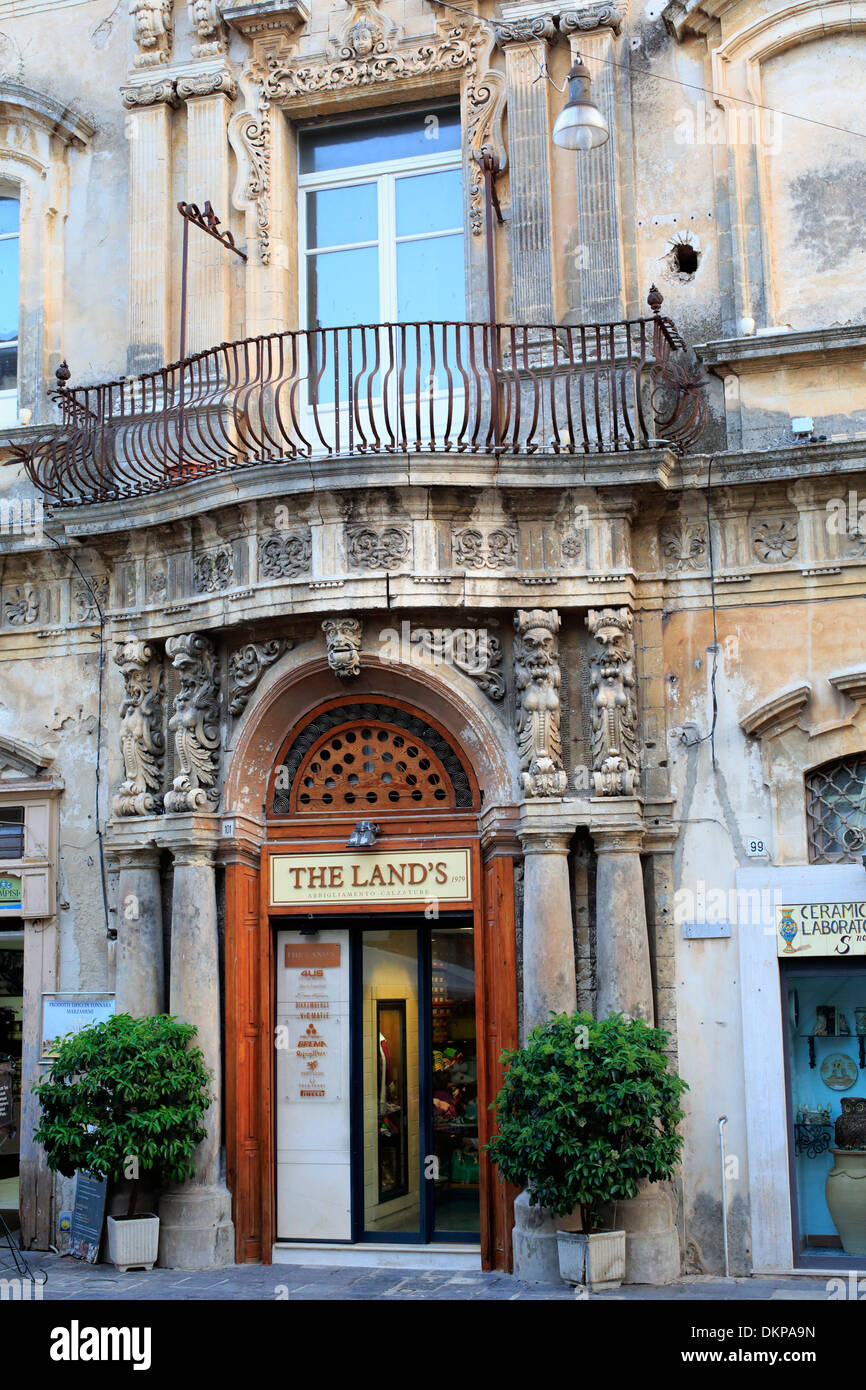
(249, 1060)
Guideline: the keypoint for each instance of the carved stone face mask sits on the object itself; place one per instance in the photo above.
(538, 644)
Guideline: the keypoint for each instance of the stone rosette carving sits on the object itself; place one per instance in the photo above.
(343, 638)
(206, 23)
(284, 554)
(22, 606)
(195, 723)
(615, 759)
(213, 571)
(537, 679)
(497, 550)
(684, 544)
(377, 548)
(247, 666)
(775, 540)
(142, 741)
(152, 29)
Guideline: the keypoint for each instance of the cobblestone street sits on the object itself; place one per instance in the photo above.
(70, 1281)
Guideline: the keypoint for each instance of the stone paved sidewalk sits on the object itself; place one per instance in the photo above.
(70, 1281)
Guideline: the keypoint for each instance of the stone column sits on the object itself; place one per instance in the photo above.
(208, 105)
(598, 249)
(151, 222)
(549, 978)
(140, 985)
(196, 1229)
(530, 226)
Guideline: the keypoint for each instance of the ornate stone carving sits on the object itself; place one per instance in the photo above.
(374, 548)
(496, 552)
(537, 679)
(775, 539)
(149, 94)
(152, 29)
(206, 21)
(614, 719)
(366, 59)
(284, 554)
(142, 741)
(573, 544)
(86, 599)
(213, 571)
(540, 26)
(474, 651)
(343, 637)
(207, 84)
(684, 544)
(246, 668)
(22, 606)
(484, 103)
(195, 723)
(602, 16)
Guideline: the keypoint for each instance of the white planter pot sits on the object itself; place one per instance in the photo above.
(845, 1191)
(597, 1260)
(133, 1241)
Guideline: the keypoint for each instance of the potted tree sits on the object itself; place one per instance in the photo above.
(123, 1099)
(588, 1111)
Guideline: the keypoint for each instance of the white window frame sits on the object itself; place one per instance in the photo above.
(385, 174)
(9, 397)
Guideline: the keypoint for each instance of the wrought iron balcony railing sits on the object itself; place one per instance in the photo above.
(378, 389)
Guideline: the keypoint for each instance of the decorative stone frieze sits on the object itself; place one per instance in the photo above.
(496, 550)
(343, 638)
(142, 740)
(88, 601)
(195, 723)
(22, 606)
(537, 679)
(775, 539)
(474, 651)
(377, 548)
(213, 571)
(152, 29)
(615, 759)
(247, 666)
(206, 21)
(683, 542)
(284, 554)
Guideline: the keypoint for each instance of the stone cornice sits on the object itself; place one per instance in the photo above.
(260, 18)
(63, 121)
(850, 683)
(805, 348)
(687, 18)
(776, 716)
(25, 759)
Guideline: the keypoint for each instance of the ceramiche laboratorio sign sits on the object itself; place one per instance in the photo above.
(821, 929)
(404, 876)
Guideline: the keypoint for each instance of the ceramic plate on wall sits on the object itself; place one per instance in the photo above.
(839, 1072)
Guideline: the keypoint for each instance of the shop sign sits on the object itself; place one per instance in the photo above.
(10, 893)
(404, 876)
(313, 1029)
(821, 929)
(62, 1016)
(88, 1217)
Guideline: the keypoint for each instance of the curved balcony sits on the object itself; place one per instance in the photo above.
(358, 392)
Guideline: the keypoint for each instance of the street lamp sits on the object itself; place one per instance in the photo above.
(580, 125)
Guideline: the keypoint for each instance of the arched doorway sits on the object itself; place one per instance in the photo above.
(372, 941)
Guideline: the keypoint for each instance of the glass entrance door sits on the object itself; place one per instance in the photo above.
(377, 1131)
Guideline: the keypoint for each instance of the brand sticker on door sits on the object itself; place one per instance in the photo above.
(418, 876)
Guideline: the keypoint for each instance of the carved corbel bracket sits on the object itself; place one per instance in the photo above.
(615, 759)
(195, 723)
(537, 678)
(142, 740)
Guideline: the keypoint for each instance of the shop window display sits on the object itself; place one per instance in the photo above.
(826, 1027)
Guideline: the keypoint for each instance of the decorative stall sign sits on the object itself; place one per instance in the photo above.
(62, 1016)
(88, 1215)
(418, 876)
(314, 1026)
(821, 929)
(11, 899)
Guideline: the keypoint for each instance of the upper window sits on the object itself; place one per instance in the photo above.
(381, 221)
(11, 832)
(9, 296)
(836, 809)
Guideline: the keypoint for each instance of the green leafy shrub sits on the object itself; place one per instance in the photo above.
(124, 1098)
(588, 1110)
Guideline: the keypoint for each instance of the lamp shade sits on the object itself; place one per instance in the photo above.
(580, 125)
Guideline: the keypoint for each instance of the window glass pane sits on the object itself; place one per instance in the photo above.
(9, 294)
(429, 202)
(9, 214)
(337, 216)
(343, 288)
(11, 831)
(8, 368)
(430, 279)
(410, 134)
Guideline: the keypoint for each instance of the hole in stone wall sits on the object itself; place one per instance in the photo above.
(683, 260)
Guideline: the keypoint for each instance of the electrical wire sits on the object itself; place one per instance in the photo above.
(660, 77)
